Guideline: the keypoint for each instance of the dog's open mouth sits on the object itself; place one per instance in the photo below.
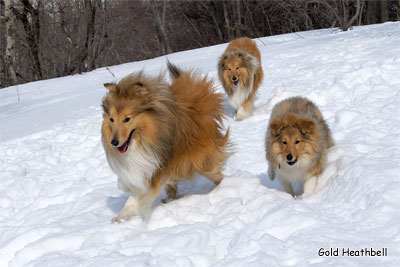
(291, 163)
(124, 147)
(236, 82)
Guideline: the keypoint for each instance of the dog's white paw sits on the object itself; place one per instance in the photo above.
(166, 200)
(116, 220)
(242, 114)
(298, 197)
(120, 218)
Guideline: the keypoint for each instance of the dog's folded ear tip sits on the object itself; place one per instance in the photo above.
(305, 125)
(139, 84)
(276, 127)
(110, 86)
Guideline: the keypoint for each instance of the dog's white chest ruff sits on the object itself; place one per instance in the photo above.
(240, 94)
(292, 173)
(298, 172)
(135, 168)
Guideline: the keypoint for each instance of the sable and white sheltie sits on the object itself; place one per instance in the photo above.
(240, 72)
(156, 134)
(297, 141)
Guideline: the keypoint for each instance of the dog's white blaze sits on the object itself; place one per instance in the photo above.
(134, 168)
(240, 94)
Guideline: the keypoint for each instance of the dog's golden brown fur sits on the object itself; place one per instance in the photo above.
(156, 134)
(296, 143)
(240, 72)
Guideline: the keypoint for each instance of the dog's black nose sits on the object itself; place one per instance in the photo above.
(289, 157)
(114, 142)
(234, 78)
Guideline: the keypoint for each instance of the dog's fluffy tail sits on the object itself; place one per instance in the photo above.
(174, 71)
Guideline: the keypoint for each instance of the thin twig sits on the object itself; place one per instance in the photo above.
(111, 72)
(261, 41)
(19, 99)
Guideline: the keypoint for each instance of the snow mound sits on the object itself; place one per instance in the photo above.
(58, 195)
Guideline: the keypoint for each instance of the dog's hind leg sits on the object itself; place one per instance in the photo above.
(172, 190)
(215, 176)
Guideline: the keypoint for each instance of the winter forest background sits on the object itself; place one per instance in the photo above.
(54, 38)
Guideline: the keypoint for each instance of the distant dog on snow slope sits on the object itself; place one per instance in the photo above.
(240, 72)
(296, 143)
(155, 134)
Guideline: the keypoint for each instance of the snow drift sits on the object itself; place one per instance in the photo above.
(58, 195)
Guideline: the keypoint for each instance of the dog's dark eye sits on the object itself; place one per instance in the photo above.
(127, 119)
(237, 68)
(111, 119)
(297, 142)
(229, 69)
(284, 142)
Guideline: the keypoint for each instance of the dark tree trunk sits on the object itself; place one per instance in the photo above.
(29, 17)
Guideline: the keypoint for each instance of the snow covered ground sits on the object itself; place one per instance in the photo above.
(58, 194)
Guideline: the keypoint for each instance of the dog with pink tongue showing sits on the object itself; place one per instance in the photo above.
(157, 134)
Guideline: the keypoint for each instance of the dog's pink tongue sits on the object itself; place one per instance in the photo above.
(122, 149)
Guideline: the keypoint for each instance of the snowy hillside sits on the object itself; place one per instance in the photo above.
(58, 194)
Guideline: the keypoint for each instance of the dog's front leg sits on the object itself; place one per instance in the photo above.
(287, 185)
(271, 171)
(310, 185)
(245, 110)
(130, 209)
(140, 204)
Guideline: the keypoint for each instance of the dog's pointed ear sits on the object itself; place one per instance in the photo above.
(305, 126)
(276, 127)
(105, 109)
(174, 71)
(111, 86)
(222, 61)
(105, 105)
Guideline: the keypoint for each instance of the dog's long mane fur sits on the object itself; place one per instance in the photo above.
(199, 142)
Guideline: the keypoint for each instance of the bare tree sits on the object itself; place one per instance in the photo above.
(228, 26)
(238, 12)
(384, 10)
(340, 9)
(10, 49)
(30, 18)
(371, 12)
(54, 38)
(211, 14)
(159, 9)
(85, 45)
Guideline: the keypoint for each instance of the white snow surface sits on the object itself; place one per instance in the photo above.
(58, 194)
